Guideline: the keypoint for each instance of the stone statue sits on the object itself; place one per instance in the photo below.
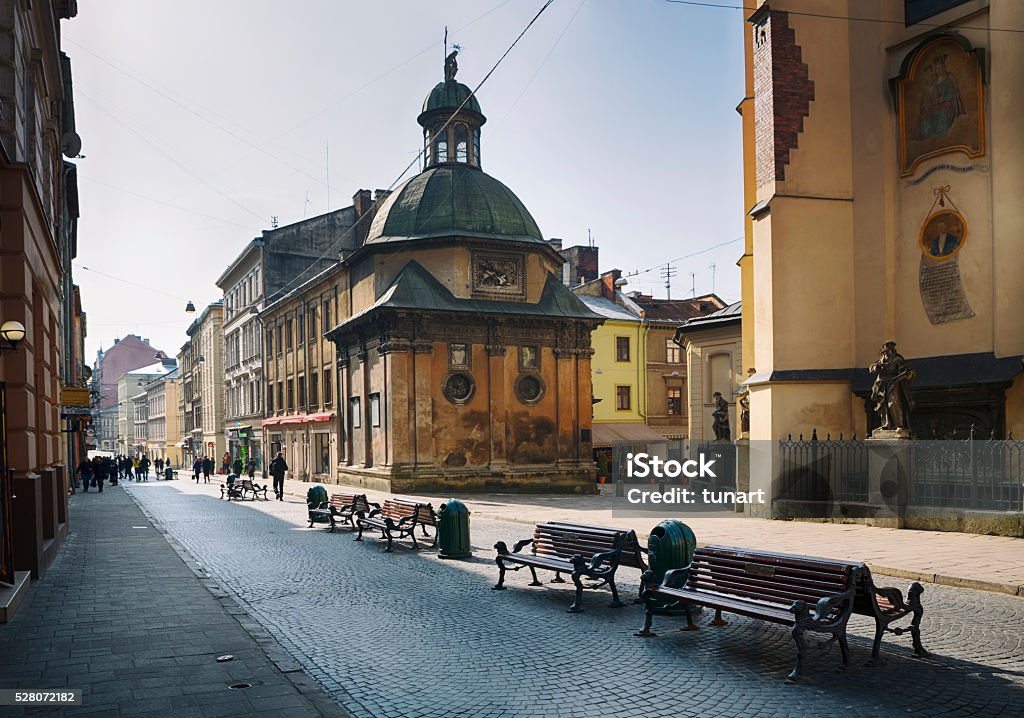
(744, 402)
(891, 389)
(451, 65)
(721, 418)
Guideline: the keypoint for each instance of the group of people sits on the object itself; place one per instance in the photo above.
(203, 466)
(94, 472)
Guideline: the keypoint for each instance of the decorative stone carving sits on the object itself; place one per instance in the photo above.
(498, 275)
(529, 389)
(721, 418)
(459, 387)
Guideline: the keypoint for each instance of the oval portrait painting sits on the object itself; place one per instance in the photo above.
(943, 235)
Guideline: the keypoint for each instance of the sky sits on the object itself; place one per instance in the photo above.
(201, 120)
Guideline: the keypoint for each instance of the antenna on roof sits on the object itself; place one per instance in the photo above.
(667, 272)
(712, 277)
(273, 221)
(305, 207)
(693, 284)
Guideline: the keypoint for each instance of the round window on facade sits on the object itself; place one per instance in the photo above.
(459, 387)
(529, 388)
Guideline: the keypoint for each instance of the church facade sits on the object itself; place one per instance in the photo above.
(883, 166)
(463, 361)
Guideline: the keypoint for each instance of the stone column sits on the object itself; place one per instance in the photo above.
(423, 401)
(498, 453)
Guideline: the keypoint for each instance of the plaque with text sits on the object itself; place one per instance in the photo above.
(942, 291)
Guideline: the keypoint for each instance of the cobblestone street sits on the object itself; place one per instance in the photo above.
(407, 634)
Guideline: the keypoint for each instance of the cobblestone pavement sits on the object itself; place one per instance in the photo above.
(407, 634)
(120, 615)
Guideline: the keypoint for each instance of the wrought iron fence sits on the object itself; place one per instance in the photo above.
(962, 474)
(823, 470)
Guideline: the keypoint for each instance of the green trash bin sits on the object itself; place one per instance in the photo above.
(670, 545)
(316, 498)
(453, 530)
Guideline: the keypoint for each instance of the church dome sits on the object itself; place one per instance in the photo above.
(452, 200)
(448, 96)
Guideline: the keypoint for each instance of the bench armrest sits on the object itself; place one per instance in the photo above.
(502, 548)
(598, 559)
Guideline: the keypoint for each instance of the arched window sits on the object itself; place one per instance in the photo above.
(461, 144)
(441, 147)
(476, 146)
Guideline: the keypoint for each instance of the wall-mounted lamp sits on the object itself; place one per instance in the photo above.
(11, 333)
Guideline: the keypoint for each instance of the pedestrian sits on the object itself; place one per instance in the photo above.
(225, 463)
(98, 473)
(136, 469)
(237, 467)
(110, 470)
(197, 468)
(207, 469)
(159, 464)
(277, 468)
(127, 468)
(144, 465)
(250, 468)
(85, 471)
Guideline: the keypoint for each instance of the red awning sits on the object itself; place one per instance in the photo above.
(300, 419)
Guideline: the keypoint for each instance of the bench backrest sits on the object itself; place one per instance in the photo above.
(565, 540)
(632, 554)
(398, 509)
(768, 577)
(342, 501)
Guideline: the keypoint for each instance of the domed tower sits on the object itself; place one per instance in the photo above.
(464, 362)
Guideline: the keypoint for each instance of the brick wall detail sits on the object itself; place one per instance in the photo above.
(783, 92)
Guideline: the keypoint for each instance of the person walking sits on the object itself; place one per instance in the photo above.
(250, 468)
(85, 472)
(197, 468)
(277, 468)
(236, 466)
(207, 469)
(110, 470)
(144, 465)
(99, 473)
(128, 464)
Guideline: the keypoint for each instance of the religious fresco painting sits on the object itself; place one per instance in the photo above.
(941, 103)
(943, 235)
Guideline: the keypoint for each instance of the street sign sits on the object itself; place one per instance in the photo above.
(74, 396)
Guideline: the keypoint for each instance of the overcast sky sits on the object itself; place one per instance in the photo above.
(200, 120)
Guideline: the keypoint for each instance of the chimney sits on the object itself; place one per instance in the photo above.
(556, 243)
(608, 281)
(362, 201)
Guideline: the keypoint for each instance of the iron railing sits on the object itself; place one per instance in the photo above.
(962, 474)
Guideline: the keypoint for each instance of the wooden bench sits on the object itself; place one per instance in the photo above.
(398, 518)
(341, 506)
(586, 552)
(249, 488)
(804, 593)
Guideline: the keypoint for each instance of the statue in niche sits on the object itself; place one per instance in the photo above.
(720, 417)
(891, 389)
(744, 402)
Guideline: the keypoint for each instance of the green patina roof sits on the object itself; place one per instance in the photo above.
(417, 289)
(452, 200)
(449, 95)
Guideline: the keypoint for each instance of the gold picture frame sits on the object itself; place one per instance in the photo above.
(943, 234)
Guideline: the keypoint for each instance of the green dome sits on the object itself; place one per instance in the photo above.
(449, 95)
(452, 200)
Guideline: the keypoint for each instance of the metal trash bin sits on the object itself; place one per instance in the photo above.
(671, 545)
(453, 530)
(316, 498)
(168, 474)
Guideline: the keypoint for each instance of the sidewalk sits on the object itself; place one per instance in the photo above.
(121, 615)
(988, 563)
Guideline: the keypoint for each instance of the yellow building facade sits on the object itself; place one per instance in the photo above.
(883, 163)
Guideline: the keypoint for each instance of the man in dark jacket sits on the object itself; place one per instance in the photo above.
(236, 466)
(277, 468)
(207, 469)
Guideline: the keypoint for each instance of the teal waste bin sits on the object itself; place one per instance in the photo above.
(168, 474)
(316, 498)
(453, 530)
(670, 545)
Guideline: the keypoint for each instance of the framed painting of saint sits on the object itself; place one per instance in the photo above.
(941, 102)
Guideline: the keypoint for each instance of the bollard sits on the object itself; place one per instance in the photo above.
(453, 530)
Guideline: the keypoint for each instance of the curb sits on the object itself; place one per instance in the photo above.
(302, 682)
(1009, 589)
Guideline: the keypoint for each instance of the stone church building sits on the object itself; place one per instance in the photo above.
(463, 361)
(884, 162)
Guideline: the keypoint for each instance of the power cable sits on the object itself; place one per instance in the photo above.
(849, 18)
(659, 265)
(166, 204)
(168, 156)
